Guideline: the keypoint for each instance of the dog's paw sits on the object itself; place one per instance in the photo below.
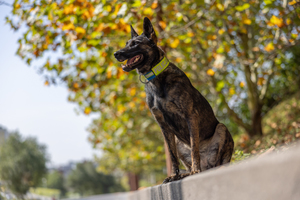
(176, 177)
(179, 176)
(172, 178)
(194, 172)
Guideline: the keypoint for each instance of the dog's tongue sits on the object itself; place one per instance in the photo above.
(132, 60)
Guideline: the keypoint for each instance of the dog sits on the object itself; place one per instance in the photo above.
(192, 132)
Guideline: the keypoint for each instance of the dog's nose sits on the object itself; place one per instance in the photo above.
(116, 54)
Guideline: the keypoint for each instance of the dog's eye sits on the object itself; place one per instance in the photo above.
(133, 43)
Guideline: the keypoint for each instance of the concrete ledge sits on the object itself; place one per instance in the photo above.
(275, 176)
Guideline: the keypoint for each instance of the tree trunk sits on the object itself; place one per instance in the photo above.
(256, 119)
(133, 180)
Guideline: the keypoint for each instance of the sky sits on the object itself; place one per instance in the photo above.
(33, 109)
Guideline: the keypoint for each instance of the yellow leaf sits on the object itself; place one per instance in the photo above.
(91, 10)
(243, 30)
(162, 24)
(69, 9)
(87, 110)
(255, 49)
(148, 11)
(114, 26)
(211, 37)
(132, 91)
(131, 104)
(231, 91)
(210, 72)
(100, 27)
(277, 21)
(269, 47)
(108, 72)
(86, 15)
(76, 85)
(221, 31)
(294, 35)
(175, 43)
(178, 59)
(190, 34)
(143, 94)
(69, 26)
(220, 7)
(108, 8)
(46, 83)
(121, 108)
(154, 5)
(288, 21)
(17, 6)
(122, 21)
(260, 81)
(246, 21)
(103, 54)
(80, 30)
(242, 84)
(117, 8)
(227, 48)
(292, 2)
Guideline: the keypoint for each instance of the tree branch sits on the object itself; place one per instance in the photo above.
(266, 86)
(231, 112)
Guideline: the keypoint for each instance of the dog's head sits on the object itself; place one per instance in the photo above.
(141, 51)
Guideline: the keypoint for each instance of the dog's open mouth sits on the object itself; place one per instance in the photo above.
(131, 62)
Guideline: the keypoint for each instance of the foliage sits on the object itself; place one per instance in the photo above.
(85, 180)
(47, 192)
(55, 180)
(23, 163)
(233, 51)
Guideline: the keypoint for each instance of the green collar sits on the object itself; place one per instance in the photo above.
(157, 69)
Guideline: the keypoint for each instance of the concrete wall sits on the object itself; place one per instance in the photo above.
(275, 176)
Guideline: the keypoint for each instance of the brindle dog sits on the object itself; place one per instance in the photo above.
(190, 128)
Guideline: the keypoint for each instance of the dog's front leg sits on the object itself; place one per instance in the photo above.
(170, 140)
(195, 141)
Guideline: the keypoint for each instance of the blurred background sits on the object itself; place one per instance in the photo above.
(74, 124)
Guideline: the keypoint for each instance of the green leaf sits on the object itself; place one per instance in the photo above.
(220, 85)
(137, 3)
(243, 7)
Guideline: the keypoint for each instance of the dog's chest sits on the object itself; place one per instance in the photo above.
(171, 115)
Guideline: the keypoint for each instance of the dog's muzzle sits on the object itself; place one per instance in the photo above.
(118, 56)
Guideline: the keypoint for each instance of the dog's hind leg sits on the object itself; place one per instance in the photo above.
(184, 153)
(228, 149)
(214, 151)
(221, 147)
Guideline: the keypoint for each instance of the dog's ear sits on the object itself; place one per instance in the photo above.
(133, 33)
(148, 30)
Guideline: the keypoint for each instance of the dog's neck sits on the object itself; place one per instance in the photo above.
(148, 66)
(158, 57)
